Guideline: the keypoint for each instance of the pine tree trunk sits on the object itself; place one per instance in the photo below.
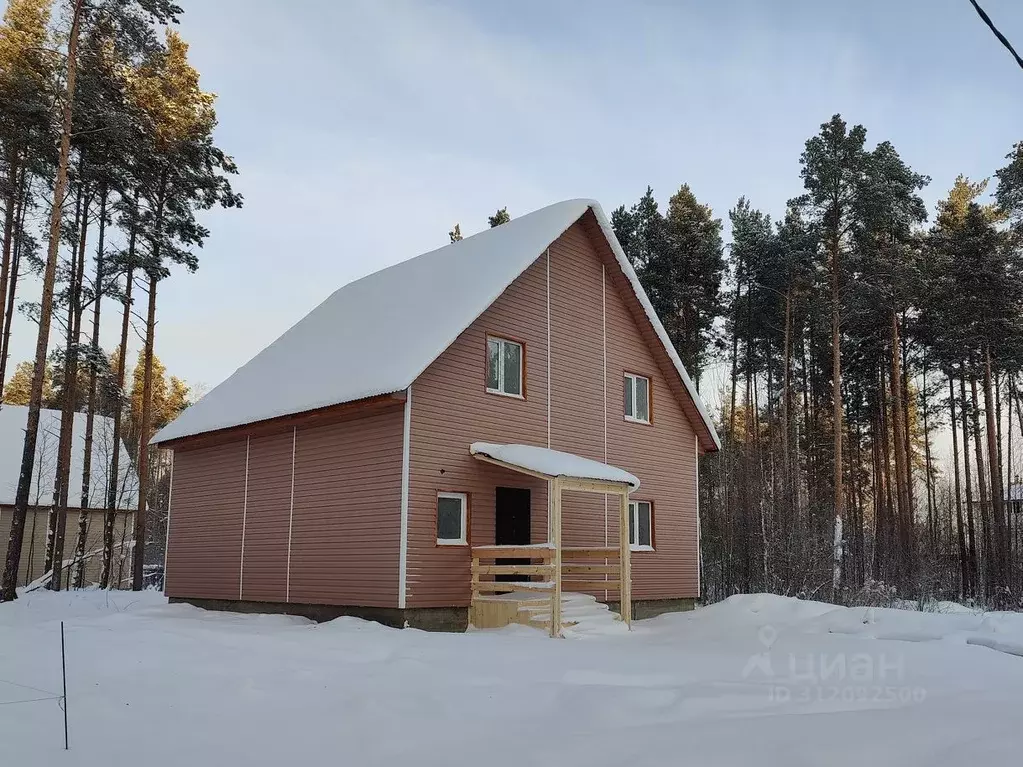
(1010, 527)
(62, 485)
(964, 560)
(907, 442)
(880, 511)
(905, 515)
(7, 313)
(90, 418)
(836, 417)
(113, 479)
(971, 528)
(1000, 558)
(8, 585)
(735, 361)
(932, 513)
(52, 519)
(11, 200)
(891, 539)
(982, 485)
(138, 553)
(786, 413)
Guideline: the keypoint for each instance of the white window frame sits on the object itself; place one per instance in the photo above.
(464, 499)
(634, 378)
(634, 525)
(502, 342)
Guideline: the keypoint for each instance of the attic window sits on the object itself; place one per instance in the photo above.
(637, 398)
(504, 367)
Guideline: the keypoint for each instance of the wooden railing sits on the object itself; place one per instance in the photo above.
(582, 569)
(484, 568)
(591, 568)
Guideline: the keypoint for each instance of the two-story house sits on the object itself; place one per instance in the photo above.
(513, 389)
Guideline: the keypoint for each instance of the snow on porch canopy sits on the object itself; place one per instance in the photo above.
(553, 463)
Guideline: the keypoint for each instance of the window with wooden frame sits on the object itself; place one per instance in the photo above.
(637, 398)
(505, 366)
(452, 517)
(641, 525)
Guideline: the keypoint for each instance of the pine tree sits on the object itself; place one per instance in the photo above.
(19, 388)
(501, 217)
(832, 164)
(679, 259)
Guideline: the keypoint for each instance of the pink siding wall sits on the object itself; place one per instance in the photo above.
(207, 501)
(344, 526)
(266, 518)
(347, 498)
(451, 409)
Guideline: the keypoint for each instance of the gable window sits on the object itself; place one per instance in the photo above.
(641, 525)
(637, 398)
(451, 518)
(504, 367)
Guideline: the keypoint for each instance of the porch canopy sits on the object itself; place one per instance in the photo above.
(550, 464)
(568, 472)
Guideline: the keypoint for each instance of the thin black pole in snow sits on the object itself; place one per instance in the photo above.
(63, 674)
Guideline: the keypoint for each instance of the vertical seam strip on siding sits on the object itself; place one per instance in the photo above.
(699, 531)
(245, 514)
(548, 295)
(166, 540)
(548, 349)
(603, 330)
(403, 540)
(291, 514)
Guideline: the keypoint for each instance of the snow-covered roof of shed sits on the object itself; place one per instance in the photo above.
(13, 419)
(553, 463)
(376, 335)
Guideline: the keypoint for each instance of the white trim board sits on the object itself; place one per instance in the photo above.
(406, 441)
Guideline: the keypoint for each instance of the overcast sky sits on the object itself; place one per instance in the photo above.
(364, 130)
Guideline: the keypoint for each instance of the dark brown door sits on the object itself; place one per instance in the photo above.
(511, 525)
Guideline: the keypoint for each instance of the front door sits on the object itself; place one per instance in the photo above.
(511, 525)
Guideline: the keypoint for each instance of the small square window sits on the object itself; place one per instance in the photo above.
(451, 508)
(637, 398)
(504, 367)
(641, 525)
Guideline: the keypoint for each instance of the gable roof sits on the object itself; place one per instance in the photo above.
(13, 419)
(378, 334)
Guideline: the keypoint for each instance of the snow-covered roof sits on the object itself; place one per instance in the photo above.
(13, 419)
(553, 463)
(376, 335)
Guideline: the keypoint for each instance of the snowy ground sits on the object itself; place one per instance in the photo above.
(756, 680)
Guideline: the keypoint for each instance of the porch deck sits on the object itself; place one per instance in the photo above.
(557, 568)
(529, 601)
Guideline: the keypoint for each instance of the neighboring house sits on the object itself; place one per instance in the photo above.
(13, 419)
(332, 473)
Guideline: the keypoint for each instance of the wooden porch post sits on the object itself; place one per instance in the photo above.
(625, 565)
(554, 488)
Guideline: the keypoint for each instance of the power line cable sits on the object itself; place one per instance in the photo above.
(999, 35)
